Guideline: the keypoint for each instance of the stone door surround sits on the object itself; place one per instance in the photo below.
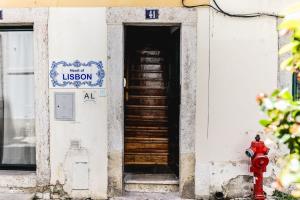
(116, 19)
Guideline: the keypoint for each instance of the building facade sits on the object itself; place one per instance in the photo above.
(93, 96)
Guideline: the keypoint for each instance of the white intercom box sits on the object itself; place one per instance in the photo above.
(64, 106)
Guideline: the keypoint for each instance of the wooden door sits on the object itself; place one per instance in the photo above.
(146, 108)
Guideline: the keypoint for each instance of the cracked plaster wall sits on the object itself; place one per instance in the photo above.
(79, 34)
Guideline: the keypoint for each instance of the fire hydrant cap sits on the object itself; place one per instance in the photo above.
(249, 152)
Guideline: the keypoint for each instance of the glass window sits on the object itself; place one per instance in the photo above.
(17, 118)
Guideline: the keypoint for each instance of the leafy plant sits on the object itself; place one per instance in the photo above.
(283, 112)
(282, 196)
(291, 24)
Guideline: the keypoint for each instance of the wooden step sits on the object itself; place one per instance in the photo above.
(147, 120)
(148, 66)
(147, 102)
(146, 117)
(161, 110)
(163, 123)
(146, 139)
(146, 159)
(149, 52)
(151, 60)
(146, 88)
(146, 134)
(144, 128)
(146, 107)
(145, 71)
(148, 83)
(135, 148)
(143, 90)
(147, 97)
(146, 111)
(147, 79)
(146, 147)
(146, 75)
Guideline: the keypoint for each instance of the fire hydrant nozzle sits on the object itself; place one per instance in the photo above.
(258, 153)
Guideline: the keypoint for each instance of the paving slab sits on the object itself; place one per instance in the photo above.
(162, 196)
(149, 196)
(16, 196)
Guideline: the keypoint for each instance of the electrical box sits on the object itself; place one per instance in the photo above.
(64, 106)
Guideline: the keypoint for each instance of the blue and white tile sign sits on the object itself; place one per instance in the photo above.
(76, 74)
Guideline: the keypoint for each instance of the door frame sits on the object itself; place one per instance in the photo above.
(187, 19)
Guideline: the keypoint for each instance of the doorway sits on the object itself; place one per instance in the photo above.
(151, 99)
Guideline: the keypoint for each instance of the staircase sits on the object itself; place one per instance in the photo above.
(146, 110)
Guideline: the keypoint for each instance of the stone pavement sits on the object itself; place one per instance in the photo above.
(16, 196)
(148, 196)
(160, 196)
(128, 196)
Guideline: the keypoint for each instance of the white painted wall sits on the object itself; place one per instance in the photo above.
(237, 59)
(255, 6)
(79, 34)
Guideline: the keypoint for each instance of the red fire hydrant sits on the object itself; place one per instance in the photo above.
(258, 153)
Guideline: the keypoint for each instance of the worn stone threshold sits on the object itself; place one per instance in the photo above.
(16, 196)
(157, 196)
(159, 179)
(149, 196)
